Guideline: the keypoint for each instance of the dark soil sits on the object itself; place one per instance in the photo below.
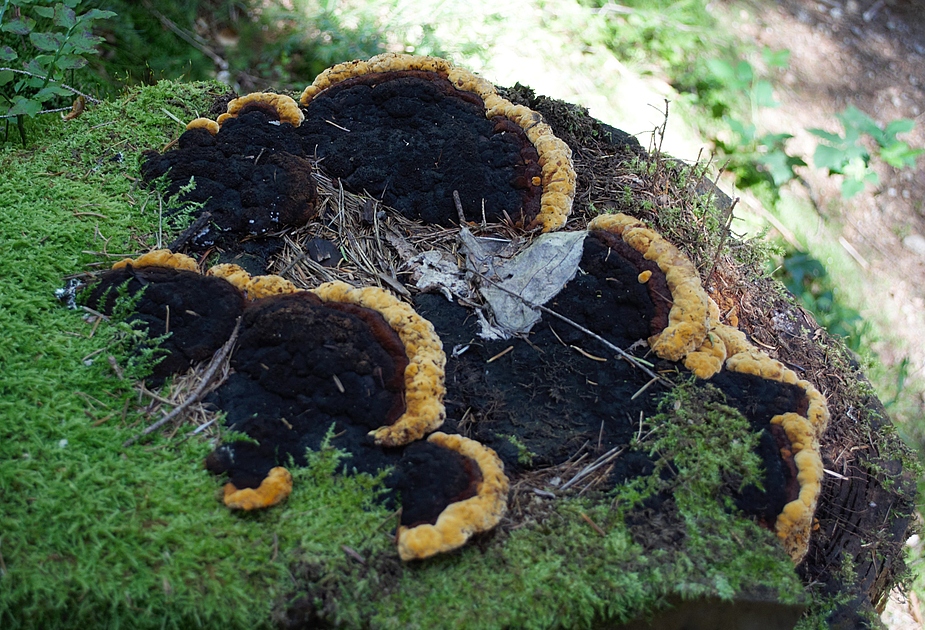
(412, 138)
(547, 397)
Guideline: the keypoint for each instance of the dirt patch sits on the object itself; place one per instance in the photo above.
(869, 55)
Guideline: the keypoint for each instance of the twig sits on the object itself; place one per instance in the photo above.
(722, 241)
(64, 85)
(200, 391)
(350, 551)
(593, 525)
(590, 468)
(500, 354)
(44, 111)
(625, 355)
(190, 38)
(188, 233)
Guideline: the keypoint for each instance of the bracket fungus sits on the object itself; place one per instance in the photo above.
(424, 376)
(169, 297)
(244, 176)
(696, 336)
(627, 388)
(435, 128)
(477, 509)
(277, 107)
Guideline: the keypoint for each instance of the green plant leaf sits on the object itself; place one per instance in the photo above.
(745, 131)
(853, 118)
(70, 62)
(857, 167)
(780, 166)
(776, 58)
(65, 16)
(97, 14)
(23, 105)
(7, 53)
(774, 139)
(744, 73)
(894, 127)
(828, 157)
(721, 70)
(45, 12)
(764, 94)
(19, 26)
(45, 94)
(83, 43)
(6, 76)
(35, 67)
(851, 187)
(900, 155)
(50, 42)
(834, 138)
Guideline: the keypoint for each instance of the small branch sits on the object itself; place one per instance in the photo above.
(191, 231)
(64, 85)
(189, 37)
(590, 468)
(623, 354)
(727, 227)
(197, 395)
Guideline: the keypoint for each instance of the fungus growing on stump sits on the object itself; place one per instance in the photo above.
(424, 376)
(276, 107)
(275, 488)
(696, 336)
(300, 367)
(250, 176)
(196, 314)
(452, 488)
(416, 129)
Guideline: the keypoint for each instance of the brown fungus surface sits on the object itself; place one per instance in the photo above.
(251, 178)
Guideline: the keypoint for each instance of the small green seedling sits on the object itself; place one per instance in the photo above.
(847, 154)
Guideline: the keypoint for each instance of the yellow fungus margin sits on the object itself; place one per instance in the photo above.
(274, 488)
(424, 376)
(160, 258)
(696, 336)
(460, 520)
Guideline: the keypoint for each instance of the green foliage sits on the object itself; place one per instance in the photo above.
(807, 279)
(47, 42)
(846, 154)
(757, 160)
(524, 455)
(675, 34)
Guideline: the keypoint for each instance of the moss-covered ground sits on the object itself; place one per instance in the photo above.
(96, 535)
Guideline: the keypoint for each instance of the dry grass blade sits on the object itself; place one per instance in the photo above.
(218, 361)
